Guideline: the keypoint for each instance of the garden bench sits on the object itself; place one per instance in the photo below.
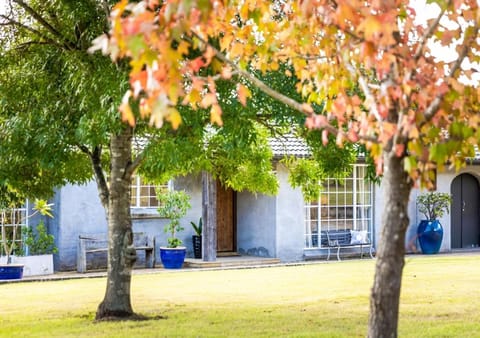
(339, 239)
(92, 243)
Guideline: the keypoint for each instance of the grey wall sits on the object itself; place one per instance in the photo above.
(444, 181)
(77, 209)
(290, 222)
(147, 219)
(256, 225)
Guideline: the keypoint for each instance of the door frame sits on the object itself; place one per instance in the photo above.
(457, 209)
(233, 220)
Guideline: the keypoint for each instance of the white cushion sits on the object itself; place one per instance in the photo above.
(359, 237)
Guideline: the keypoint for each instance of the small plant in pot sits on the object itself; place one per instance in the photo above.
(173, 205)
(197, 238)
(432, 205)
(39, 242)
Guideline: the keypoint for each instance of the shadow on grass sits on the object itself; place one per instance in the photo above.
(132, 318)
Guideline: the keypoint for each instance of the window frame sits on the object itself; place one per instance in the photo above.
(24, 212)
(139, 210)
(361, 207)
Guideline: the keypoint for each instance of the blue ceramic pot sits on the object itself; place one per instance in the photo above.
(430, 235)
(11, 271)
(172, 258)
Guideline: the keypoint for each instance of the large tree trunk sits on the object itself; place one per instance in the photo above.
(121, 253)
(385, 296)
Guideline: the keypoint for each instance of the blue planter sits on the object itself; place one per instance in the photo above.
(172, 258)
(430, 235)
(11, 271)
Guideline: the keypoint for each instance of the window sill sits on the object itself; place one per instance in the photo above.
(144, 213)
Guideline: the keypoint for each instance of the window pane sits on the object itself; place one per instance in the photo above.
(143, 194)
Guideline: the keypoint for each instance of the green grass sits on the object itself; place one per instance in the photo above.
(440, 298)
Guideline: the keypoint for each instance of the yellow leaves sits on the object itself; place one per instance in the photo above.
(126, 110)
(163, 109)
(379, 29)
(371, 28)
(183, 47)
(225, 41)
(174, 117)
(216, 115)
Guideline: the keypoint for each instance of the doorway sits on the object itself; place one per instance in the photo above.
(465, 227)
(226, 220)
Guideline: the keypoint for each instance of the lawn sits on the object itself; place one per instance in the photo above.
(440, 298)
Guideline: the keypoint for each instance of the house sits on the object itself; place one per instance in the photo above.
(282, 226)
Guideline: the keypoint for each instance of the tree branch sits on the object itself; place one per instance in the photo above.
(106, 8)
(67, 43)
(276, 95)
(137, 161)
(11, 22)
(257, 82)
(429, 32)
(96, 162)
(435, 104)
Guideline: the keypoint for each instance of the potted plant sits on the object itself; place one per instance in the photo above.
(432, 205)
(38, 249)
(173, 205)
(10, 223)
(197, 238)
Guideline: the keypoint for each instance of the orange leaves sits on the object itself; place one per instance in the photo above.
(367, 61)
(371, 28)
(243, 93)
(380, 28)
(346, 15)
(216, 115)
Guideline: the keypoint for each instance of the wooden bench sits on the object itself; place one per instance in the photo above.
(92, 243)
(343, 239)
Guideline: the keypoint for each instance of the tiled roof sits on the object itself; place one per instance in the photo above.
(289, 145)
(285, 145)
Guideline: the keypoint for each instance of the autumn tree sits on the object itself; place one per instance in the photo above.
(372, 62)
(59, 124)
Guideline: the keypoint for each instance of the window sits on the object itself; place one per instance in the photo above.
(144, 195)
(343, 204)
(9, 218)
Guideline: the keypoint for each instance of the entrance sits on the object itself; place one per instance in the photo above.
(465, 227)
(226, 219)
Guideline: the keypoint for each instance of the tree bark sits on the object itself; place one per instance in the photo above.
(385, 295)
(209, 215)
(121, 252)
(102, 186)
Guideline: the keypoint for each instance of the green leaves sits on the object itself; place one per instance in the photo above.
(173, 205)
(434, 204)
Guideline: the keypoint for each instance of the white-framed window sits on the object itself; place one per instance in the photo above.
(9, 218)
(144, 195)
(343, 204)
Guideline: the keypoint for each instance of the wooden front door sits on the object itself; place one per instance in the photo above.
(465, 221)
(226, 216)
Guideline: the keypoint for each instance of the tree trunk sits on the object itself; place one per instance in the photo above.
(385, 296)
(209, 215)
(121, 253)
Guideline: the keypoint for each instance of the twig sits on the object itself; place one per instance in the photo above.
(68, 44)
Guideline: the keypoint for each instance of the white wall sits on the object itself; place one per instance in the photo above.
(444, 181)
(290, 214)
